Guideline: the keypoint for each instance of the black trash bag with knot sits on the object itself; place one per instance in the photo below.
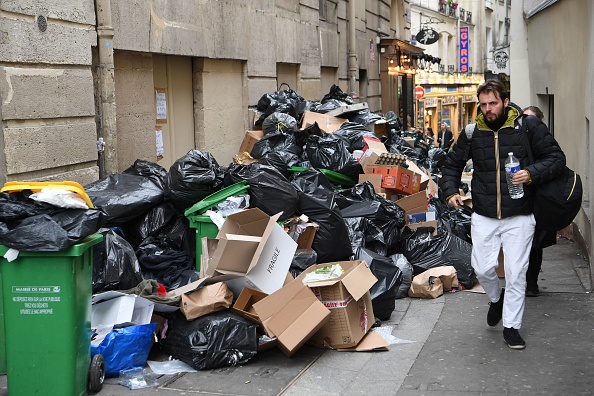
(424, 251)
(279, 123)
(407, 274)
(330, 153)
(337, 94)
(352, 134)
(220, 339)
(364, 117)
(456, 221)
(389, 277)
(124, 196)
(316, 200)
(170, 267)
(32, 226)
(153, 171)
(287, 101)
(269, 190)
(281, 160)
(115, 266)
(192, 178)
(276, 142)
(385, 217)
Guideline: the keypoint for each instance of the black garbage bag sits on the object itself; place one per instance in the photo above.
(150, 223)
(357, 228)
(316, 200)
(32, 226)
(329, 153)
(456, 221)
(276, 141)
(115, 266)
(192, 178)
(124, 196)
(337, 94)
(279, 123)
(302, 260)
(172, 268)
(364, 117)
(329, 105)
(269, 190)
(385, 218)
(437, 157)
(424, 251)
(407, 274)
(281, 160)
(153, 171)
(302, 134)
(389, 277)
(396, 144)
(352, 134)
(220, 339)
(287, 101)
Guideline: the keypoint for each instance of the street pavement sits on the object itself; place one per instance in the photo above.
(439, 346)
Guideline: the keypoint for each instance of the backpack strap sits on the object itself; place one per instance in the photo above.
(469, 129)
(527, 144)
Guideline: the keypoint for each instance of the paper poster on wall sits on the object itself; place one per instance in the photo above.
(159, 136)
(161, 103)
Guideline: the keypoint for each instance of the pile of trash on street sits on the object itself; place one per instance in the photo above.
(327, 214)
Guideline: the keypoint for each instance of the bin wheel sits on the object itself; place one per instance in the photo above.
(96, 373)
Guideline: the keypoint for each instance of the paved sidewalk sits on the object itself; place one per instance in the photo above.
(453, 350)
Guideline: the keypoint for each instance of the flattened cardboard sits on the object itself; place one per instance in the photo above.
(292, 314)
(326, 123)
(372, 341)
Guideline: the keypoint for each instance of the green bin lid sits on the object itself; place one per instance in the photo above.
(216, 198)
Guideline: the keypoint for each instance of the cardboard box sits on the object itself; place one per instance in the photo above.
(292, 315)
(249, 140)
(396, 177)
(425, 178)
(244, 305)
(371, 151)
(114, 307)
(432, 223)
(326, 123)
(251, 250)
(414, 203)
(349, 300)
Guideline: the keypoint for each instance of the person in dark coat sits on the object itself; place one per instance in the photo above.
(542, 238)
(498, 219)
(445, 137)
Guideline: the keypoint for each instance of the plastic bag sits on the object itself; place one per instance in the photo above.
(352, 134)
(138, 378)
(281, 160)
(115, 266)
(316, 200)
(364, 117)
(279, 123)
(29, 226)
(424, 250)
(125, 348)
(269, 190)
(153, 171)
(274, 142)
(287, 101)
(302, 260)
(407, 274)
(221, 339)
(389, 277)
(192, 178)
(329, 153)
(124, 196)
(337, 94)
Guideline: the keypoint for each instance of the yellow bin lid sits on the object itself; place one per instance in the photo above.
(16, 186)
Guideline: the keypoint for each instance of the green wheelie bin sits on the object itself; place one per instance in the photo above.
(47, 320)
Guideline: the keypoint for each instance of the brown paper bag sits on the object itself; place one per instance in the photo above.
(448, 276)
(211, 298)
(425, 286)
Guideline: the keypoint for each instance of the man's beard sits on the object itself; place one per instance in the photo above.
(497, 122)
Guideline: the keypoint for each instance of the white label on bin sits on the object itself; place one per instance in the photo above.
(35, 305)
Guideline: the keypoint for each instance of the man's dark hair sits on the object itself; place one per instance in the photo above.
(536, 111)
(494, 86)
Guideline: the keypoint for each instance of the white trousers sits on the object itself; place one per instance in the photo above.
(515, 235)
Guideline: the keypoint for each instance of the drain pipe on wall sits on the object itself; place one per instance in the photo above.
(107, 131)
(352, 61)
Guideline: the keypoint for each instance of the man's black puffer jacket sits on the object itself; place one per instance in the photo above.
(489, 150)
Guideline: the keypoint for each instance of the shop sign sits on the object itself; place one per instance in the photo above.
(463, 49)
(430, 102)
(427, 36)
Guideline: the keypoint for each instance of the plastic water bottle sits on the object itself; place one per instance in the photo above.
(512, 165)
